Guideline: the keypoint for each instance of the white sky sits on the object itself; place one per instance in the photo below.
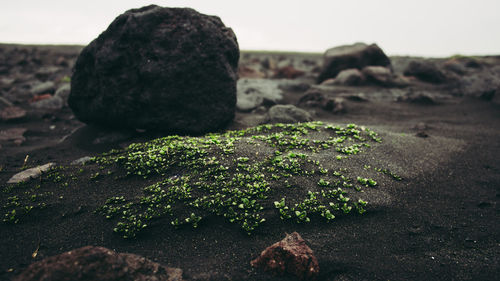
(399, 27)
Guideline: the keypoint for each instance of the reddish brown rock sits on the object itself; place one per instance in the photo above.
(290, 255)
(248, 72)
(288, 72)
(98, 263)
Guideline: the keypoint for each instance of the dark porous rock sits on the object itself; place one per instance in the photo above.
(426, 71)
(288, 113)
(98, 263)
(289, 256)
(162, 69)
(357, 56)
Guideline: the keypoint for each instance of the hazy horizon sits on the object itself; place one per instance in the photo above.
(425, 28)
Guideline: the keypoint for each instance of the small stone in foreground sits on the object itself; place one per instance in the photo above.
(290, 255)
(30, 173)
(98, 263)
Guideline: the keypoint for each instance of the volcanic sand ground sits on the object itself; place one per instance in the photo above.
(441, 222)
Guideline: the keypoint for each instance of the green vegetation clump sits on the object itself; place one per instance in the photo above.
(298, 172)
(203, 176)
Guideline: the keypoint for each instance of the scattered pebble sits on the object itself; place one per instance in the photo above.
(30, 173)
(81, 161)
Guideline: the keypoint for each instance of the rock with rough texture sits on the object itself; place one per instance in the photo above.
(425, 71)
(378, 75)
(289, 256)
(98, 263)
(163, 69)
(30, 173)
(349, 77)
(357, 56)
(288, 114)
(253, 92)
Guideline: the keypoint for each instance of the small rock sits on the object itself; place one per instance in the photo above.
(42, 88)
(422, 134)
(423, 99)
(13, 134)
(40, 97)
(328, 82)
(248, 72)
(425, 71)
(288, 72)
(421, 126)
(98, 263)
(63, 92)
(455, 66)
(417, 98)
(6, 82)
(251, 93)
(45, 72)
(357, 56)
(378, 75)
(12, 113)
(318, 99)
(269, 63)
(30, 173)
(335, 105)
(288, 114)
(293, 86)
(359, 97)
(289, 256)
(52, 103)
(350, 77)
(81, 161)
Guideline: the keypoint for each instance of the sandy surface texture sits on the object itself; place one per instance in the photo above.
(433, 214)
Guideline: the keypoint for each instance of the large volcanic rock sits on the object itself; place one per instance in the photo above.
(357, 56)
(98, 263)
(167, 69)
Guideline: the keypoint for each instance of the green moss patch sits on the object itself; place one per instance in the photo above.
(299, 172)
